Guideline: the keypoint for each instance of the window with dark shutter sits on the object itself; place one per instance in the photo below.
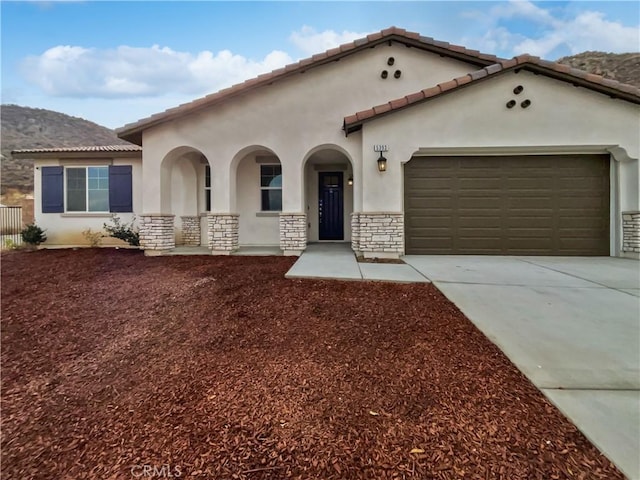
(52, 189)
(120, 188)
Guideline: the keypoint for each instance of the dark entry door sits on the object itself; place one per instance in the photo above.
(330, 206)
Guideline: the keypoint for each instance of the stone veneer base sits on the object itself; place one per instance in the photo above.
(380, 234)
(191, 230)
(156, 231)
(631, 234)
(293, 233)
(222, 233)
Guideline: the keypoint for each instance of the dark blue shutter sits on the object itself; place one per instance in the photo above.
(52, 189)
(120, 189)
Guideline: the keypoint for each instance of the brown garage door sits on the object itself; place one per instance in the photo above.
(526, 205)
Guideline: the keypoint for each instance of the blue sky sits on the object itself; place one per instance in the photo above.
(116, 62)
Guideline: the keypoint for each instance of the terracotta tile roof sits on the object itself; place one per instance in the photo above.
(80, 149)
(600, 84)
(133, 131)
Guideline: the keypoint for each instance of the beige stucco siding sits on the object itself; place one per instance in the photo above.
(290, 118)
(65, 229)
(561, 118)
(256, 227)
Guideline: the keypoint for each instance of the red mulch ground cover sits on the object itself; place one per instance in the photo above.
(209, 367)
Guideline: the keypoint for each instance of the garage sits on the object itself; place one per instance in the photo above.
(507, 205)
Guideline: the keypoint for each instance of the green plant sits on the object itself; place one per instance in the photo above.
(9, 244)
(33, 234)
(124, 231)
(93, 238)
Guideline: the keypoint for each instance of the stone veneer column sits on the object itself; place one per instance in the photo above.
(355, 232)
(293, 233)
(190, 230)
(222, 232)
(381, 234)
(631, 233)
(156, 233)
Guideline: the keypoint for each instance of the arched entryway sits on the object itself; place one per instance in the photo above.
(185, 180)
(328, 194)
(257, 196)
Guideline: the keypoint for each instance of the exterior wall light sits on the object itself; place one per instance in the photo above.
(350, 180)
(382, 163)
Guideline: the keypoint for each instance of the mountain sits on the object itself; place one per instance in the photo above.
(24, 127)
(623, 67)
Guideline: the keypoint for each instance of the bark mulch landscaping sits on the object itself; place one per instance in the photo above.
(116, 365)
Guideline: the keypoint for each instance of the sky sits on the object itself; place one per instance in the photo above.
(116, 62)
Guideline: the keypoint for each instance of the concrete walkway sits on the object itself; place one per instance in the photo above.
(570, 324)
(337, 261)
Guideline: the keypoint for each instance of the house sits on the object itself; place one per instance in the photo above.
(397, 143)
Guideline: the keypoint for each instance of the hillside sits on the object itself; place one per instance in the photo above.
(623, 67)
(24, 127)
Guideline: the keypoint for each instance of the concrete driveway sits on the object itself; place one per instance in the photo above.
(570, 324)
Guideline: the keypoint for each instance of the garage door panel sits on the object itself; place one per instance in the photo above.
(421, 203)
(427, 222)
(479, 222)
(528, 222)
(479, 202)
(526, 205)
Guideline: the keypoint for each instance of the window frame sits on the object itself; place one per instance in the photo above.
(208, 201)
(262, 210)
(86, 193)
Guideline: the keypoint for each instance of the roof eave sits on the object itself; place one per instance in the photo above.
(30, 155)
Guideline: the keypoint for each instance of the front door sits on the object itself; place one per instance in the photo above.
(330, 206)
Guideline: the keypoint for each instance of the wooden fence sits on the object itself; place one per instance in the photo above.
(10, 226)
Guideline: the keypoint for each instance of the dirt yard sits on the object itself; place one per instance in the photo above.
(116, 365)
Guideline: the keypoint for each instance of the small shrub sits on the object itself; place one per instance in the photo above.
(93, 238)
(33, 235)
(9, 244)
(123, 231)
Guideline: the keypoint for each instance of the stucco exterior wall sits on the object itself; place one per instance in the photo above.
(290, 118)
(65, 229)
(255, 227)
(474, 120)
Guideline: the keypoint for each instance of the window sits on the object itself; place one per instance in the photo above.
(271, 188)
(87, 189)
(207, 188)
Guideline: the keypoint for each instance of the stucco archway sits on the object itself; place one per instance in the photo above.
(256, 195)
(185, 183)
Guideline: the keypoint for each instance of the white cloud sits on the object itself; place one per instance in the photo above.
(73, 71)
(309, 41)
(587, 31)
(552, 31)
(125, 71)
